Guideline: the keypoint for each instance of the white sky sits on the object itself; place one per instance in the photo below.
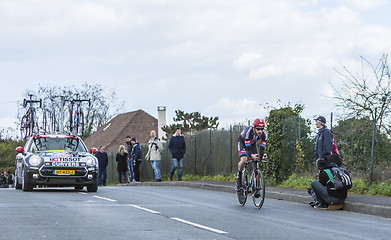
(221, 58)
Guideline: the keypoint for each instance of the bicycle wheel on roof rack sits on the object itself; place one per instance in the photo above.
(34, 128)
(242, 192)
(79, 123)
(80, 128)
(258, 189)
(23, 127)
(52, 127)
(44, 122)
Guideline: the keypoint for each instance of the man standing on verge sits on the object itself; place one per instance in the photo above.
(129, 157)
(136, 158)
(177, 147)
(324, 139)
(155, 149)
(103, 160)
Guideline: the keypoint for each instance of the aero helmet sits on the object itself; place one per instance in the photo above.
(259, 123)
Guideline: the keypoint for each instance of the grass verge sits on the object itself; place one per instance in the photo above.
(360, 186)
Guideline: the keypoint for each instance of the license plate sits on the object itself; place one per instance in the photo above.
(64, 172)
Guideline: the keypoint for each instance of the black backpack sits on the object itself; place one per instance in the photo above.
(339, 179)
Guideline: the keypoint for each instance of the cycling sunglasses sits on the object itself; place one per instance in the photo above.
(259, 128)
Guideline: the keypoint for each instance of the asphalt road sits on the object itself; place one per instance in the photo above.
(148, 212)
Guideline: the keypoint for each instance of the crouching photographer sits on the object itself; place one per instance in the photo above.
(330, 191)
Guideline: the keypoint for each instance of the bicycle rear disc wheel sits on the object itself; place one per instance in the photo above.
(242, 193)
(258, 189)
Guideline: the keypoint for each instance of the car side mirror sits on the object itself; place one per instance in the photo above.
(93, 150)
(19, 149)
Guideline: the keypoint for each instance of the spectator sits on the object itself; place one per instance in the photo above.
(324, 139)
(3, 180)
(324, 197)
(11, 179)
(129, 157)
(177, 147)
(136, 157)
(103, 159)
(155, 148)
(122, 163)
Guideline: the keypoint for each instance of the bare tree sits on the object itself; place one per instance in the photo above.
(101, 109)
(361, 93)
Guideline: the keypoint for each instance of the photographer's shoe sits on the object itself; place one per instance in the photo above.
(322, 206)
(314, 203)
(335, 206)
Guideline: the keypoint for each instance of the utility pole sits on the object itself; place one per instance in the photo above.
(373, 145)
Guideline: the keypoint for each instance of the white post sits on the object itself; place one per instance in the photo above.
(161, 120)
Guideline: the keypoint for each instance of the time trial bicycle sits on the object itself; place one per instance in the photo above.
(29, 121)
(76, 117)
(256, 186)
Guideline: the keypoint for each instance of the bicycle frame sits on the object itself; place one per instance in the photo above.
(256, 185)
(255, 167)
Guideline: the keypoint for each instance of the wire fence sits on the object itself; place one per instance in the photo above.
(214, 152)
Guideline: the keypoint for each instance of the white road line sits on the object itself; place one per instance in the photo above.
(84, 193)
(144, 209)
(198, 225)
(108, 199)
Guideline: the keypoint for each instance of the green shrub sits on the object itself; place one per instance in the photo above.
(295, 181)
(380, 189)
(360, 186)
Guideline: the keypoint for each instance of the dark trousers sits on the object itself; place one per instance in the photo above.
(136, 170)
(102, 176)
(121, 176)
(322, 195)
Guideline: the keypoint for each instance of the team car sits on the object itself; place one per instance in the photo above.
(56, 160)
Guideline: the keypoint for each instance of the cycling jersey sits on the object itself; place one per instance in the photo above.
(247, 142)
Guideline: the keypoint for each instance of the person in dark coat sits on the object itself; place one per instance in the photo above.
(324, 139)
(122, 163)
(136, 158)
(177, 147)
(129, 157)
(103, 160)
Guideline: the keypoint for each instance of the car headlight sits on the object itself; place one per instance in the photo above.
(90, 161)
(35, 160)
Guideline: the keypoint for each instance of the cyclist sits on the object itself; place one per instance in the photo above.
(247, 146)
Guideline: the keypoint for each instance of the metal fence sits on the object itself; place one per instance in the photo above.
(209, 152)
(214, 152)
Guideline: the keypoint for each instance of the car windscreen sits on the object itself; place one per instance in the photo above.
(53, 144)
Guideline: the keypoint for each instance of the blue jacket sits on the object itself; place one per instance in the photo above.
(323, 143)
(177, 146)
(136, 152)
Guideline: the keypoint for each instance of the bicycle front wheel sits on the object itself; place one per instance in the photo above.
(242, 192)
(258, 189)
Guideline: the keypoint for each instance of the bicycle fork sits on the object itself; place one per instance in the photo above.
(251, 182)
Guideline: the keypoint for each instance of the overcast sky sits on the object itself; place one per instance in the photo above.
(221, 58)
